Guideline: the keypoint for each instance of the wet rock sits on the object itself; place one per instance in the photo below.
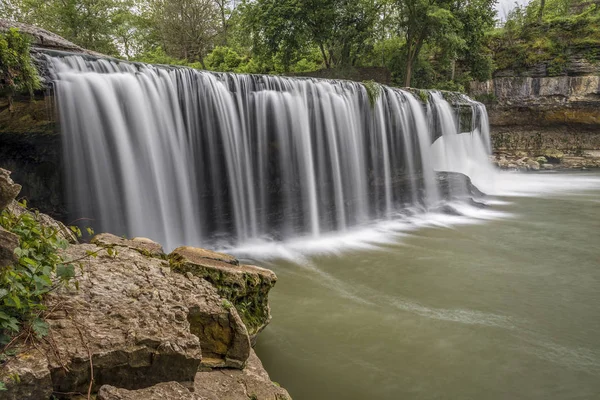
(454, 185)
(245, 286)
(162, 391)
(8, 189)
(251, 383)
(547, 166)
(144, 246)
(554, 156)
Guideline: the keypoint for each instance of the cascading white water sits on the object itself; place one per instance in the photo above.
(467, 153)
(190, 157)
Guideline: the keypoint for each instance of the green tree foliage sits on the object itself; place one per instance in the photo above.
(17, 73)
(289, 30)
(187, 29)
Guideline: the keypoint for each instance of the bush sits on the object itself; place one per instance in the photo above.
(39, 270)
(17, 72)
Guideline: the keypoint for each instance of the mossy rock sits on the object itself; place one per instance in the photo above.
(246, 287)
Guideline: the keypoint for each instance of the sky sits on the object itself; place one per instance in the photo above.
(504, 7)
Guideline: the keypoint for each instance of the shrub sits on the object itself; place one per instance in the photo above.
(39, 270)
(17, 72)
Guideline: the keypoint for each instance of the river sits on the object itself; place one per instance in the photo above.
(503, 304)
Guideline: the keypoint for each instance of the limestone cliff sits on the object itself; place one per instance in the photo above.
(532, 111)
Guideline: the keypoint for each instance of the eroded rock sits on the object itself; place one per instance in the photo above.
(26, 377)
(251, 383)
(162, 391)
(8, 189)
(138, 322)
(144, 246)
(245, 286)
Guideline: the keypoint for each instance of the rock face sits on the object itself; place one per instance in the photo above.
(141, 329)
(252, 382)
(8, 243)
(245, 286)
(533, 112)
(162, 391)
(44, 38)
(8, 189)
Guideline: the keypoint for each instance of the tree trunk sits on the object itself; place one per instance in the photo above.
(408, 73)
(541, 11)
(327, 64)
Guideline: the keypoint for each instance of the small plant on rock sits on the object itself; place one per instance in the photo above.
(39, 269)
(373, 91)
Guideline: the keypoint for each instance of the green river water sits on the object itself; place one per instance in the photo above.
(502, 308)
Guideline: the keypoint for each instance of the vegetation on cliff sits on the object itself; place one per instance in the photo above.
(548, 36)
(17, 72)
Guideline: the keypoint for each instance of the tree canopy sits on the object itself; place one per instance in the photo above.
(424, 43)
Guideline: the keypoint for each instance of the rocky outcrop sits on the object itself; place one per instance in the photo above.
(532, 112)
(133, 323)
(252, 382)
(43, 38)
(245, 286)
(8, 189)
(144, 246)
(162, 391)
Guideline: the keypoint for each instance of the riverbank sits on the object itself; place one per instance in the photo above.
(136, 323)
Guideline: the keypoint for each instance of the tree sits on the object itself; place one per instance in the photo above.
(187, 28)
(290, 29)
(422, 21)
(17, 73)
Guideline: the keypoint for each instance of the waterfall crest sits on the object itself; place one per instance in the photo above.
(190, 157)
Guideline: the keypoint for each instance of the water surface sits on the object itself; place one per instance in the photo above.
(507, 308)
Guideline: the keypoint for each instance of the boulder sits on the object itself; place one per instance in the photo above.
(135, 323)
(8, 189)
(245, 286)
(162, 391)
(252, 382)
(144, 246)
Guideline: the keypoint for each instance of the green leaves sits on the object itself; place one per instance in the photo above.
(17, 73)
(65, 272)
(39, 270)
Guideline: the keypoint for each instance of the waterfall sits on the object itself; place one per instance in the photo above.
(195, 157)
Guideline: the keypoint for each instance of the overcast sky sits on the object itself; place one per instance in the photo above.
(504, 6)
